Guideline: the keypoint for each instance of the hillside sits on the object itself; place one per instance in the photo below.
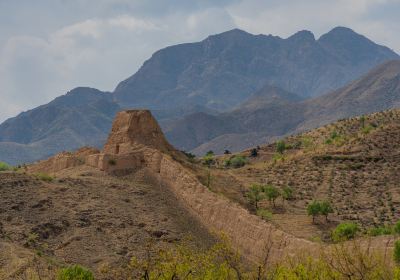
(262, 121)
(81, 117)
(352, 163)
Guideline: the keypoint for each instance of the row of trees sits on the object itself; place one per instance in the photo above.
(258, 193)
(316, 208)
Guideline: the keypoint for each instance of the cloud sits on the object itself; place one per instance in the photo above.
(48, 47)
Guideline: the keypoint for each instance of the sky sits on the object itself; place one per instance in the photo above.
(48, 47)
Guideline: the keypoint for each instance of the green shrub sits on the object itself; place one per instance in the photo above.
(377, 231)
(396, 228)
(280, 147)
(236, 161)
(264, 214)
(4, 166)
(287, 193)
(345, 231)
(396, 251)
(44, 177)
(75, 272)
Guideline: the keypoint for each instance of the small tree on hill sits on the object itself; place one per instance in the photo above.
(254, 152)
(313, 209)
(272, 193)
(325, 209)
(287, 193)
(396, 252)
(255, 195)
(280, 146)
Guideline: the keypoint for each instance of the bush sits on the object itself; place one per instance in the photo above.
(396, 251)
(377, 231)
(264, 214)
(287, 193)
(75, 272)
(345, 231)
(44, 177)
(236, 161)
(255, 195)
(396, 228)
(280, 146)
(4, 166)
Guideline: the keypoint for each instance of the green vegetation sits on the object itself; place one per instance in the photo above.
(271, 192)
(236, 161)
(345, 231)
(377, 231)
(4, 166)
(396, 251)
(354, 261)
(325, 209)
(190, 156)
(255, 195)
(396, 228)
(313, 209)
(75, 272)
(280, 147)
(316, 208)
(287, 193)
(264, 214)
(44, 177)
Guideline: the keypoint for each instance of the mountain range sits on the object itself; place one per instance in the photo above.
(231, 90)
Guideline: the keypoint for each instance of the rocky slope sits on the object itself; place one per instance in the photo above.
(263, 120)
(81, 117)
(225, 69)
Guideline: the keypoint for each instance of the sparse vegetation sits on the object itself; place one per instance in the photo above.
(4, 166)
(287, 193)
(264, 214)
(396, 252)
(345, 231)
(280, 147)
(236, 161)
(255, 195)
(44, 177)
(75, 272)
(112, 162)
(271, 193)
(314, 209)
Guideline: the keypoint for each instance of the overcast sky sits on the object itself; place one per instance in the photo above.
(48, 47)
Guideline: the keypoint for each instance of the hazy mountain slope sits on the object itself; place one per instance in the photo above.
(225, 69)
(218, 73)
(81, 117)
(377, 90)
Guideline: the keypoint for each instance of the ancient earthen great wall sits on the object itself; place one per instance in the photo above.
(136, 141)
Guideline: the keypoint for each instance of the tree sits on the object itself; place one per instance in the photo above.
(313, 209)
(272, 193)
(287, 193)
(325, 209)
(254, 152)
(210, 153)
(280, 146)
(345, 231)
(227, 152)
(255, 195)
